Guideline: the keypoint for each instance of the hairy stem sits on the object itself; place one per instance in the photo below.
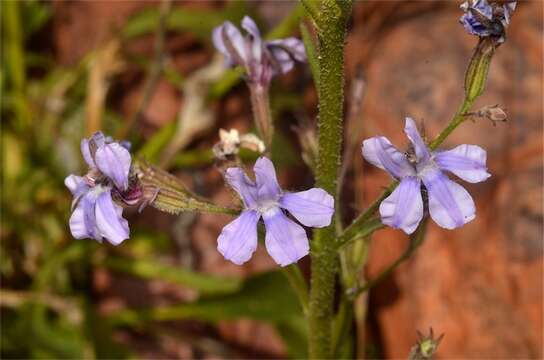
(331, 35)
(260, 103)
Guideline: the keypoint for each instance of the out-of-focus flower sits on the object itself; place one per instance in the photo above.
(487, 20)
(285, 240)
(231, 141)
(95, 213)
(261, 59)
(450, 205)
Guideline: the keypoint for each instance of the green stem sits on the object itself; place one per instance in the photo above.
(331, 36)
(415, 241)
(298, 283)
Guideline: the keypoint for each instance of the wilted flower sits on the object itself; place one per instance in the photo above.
(261, 59)
(285, 240)
(231, 141)
(450, 205)
(95, 213)
(484, 19)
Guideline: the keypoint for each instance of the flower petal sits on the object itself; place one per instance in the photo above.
(450, 205)
(238, 240)
(113, 160)
(76, 185)
(312, 207)
(86, 152)
(256, 44)
(82, 221)
(422, 152)
(285, 240)
(403, 209)
(381, 153)
(230, 42)
(238, 180)
(292, 45)
(465, 161)
(265, 176)
(285, 51)
(109, 221)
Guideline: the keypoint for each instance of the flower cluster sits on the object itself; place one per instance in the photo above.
(450, 205)
(285, 240)
(261, 59)
(95, 213)
(487, 20)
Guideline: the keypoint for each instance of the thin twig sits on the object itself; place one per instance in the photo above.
(154, 72)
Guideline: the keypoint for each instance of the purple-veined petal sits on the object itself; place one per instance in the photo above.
(265, 176)
(286, 241)
(256, 44)
(83, 221)
(238, 240)
(282, 59)
(86, 152)
(450, 205)
(109, 221)
(508, 9)
(238, 180)
(113, 160)
(422, 152)
(381, 153)
(228, 40)
(76, 185)
(293, 46)
(403, 209)
(312, 207)
(465, 161)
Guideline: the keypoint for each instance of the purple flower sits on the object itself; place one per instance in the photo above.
(285, 240)
(484, 19)
(95, 214)
(450, 205)
(261, 59)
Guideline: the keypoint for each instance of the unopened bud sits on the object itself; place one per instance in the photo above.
(476, 75)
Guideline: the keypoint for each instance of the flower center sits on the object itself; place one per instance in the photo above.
(267, 206)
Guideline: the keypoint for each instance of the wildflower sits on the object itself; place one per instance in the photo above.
(285, 240)
(487, 20)
(261, 59)
(95, 213)
(450, 205)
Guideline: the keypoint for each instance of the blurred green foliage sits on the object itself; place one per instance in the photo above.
(48, 306)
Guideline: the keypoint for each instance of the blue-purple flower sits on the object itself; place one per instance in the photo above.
(483, 19)
(95, 213)
(285, 240)
(449, 204)
(261, 59)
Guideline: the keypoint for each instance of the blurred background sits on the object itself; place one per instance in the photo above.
(146, 71)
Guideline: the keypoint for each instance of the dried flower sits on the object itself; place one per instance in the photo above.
(261, 59)
(426, 346)
(230, 143)
(285, 240)
(95, 213)
(450, 205)
(487, 20)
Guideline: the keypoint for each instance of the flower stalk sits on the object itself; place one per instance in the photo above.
(331, 36)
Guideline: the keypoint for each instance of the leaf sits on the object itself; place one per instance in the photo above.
(199, 22)
(265, 297)
(149, 269)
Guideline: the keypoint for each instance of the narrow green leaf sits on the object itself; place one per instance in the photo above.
(148, 269)
(310, 52)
